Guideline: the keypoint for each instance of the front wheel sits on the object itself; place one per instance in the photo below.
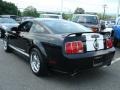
(37, 63)
(2, 33)
(6, 45)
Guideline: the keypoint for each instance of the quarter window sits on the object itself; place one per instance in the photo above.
(36, 28)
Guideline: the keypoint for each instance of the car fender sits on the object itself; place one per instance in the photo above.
(38, 45)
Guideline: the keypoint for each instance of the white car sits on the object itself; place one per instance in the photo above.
(51, 16)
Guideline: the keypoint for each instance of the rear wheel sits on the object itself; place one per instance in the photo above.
(37, 63)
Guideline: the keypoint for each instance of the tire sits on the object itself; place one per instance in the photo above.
(2, 33)
(6, 45)
(37, 64)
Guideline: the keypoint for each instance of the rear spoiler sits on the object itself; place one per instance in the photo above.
(80, 33)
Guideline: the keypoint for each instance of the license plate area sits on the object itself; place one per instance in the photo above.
(97, 62)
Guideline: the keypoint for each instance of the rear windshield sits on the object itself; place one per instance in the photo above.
(7, 20)
(62, 26)
(86, 19)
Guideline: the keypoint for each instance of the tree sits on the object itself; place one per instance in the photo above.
(30, 11)
(106, 17)
(67, 16)
(79, 11)
(0, 6)
(8, 8)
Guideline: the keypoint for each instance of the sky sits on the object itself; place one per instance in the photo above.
(68, 5)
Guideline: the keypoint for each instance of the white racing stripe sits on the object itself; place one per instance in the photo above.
(116, 60)
(92, 43)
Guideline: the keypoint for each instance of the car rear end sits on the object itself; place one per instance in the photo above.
(86, 50)
(71, 52)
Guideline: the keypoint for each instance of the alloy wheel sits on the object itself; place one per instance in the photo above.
(35, 62)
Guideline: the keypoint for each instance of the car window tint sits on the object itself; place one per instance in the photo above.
(36, 28)
(7, 20)
(62, 26)
(88, 19)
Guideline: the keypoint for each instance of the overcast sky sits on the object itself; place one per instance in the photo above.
(68, 5)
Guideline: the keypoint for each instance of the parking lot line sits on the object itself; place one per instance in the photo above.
(116, 60)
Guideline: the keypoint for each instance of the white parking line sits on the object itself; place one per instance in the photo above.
(116, 60)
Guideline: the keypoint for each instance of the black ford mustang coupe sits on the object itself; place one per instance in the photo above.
(60, 45)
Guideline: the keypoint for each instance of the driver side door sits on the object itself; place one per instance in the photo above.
(21, 41)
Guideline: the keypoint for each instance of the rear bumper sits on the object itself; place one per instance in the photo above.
(75, 63)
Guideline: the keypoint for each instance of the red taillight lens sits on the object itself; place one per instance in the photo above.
(74, 47)
(109, 43)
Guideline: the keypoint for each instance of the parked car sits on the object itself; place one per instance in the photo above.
(51, 16)
(116, 31)
(9, 16)
(88, 20)
(59, 45)
(109, 23)
(26, 18)
(6, 24)
(15, 17)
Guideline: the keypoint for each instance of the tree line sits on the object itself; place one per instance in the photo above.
(12, 9)
(8, 8)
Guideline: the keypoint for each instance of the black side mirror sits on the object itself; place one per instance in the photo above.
(14, 29)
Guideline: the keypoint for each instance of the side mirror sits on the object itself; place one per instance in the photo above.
(14, 29)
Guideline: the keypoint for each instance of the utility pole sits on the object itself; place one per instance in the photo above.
(104, 7)
(61, 7)
(117, 15)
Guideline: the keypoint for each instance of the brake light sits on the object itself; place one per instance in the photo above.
(109, 43)
(74, 47)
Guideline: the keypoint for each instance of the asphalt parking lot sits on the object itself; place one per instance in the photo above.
(15, 74)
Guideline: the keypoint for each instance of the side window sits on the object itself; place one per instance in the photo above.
(36, 28)
(25, 27)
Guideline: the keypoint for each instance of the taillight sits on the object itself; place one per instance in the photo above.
(109, 43)
(74, 47)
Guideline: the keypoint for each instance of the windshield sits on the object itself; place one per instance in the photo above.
(7, 20)
(86, 19)
(62, 26)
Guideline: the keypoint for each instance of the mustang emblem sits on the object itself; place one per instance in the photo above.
(96, 44)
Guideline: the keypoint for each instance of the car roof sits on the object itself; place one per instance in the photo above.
(84, 15)
(51, 14)
(42, 19)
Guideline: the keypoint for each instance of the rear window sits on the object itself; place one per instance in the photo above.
(62, 26)
(7, 20)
